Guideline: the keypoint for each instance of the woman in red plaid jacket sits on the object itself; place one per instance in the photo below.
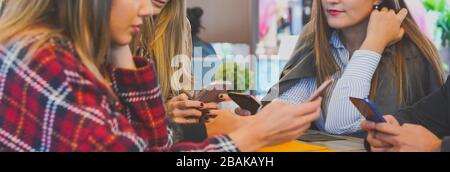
(68, 82)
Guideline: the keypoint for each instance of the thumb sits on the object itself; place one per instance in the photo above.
(242, 112)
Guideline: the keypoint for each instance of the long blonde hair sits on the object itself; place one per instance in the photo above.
(318, 32)
(84, 22)
(164, 37)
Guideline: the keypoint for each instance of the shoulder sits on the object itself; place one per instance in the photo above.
(57, 50)
(304, 50)
(55, 62)
(39, 53)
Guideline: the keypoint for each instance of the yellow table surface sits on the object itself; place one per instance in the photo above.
(295, 146)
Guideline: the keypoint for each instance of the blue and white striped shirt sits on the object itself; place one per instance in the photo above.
(353, 80)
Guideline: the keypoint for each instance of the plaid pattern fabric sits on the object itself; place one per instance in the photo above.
(53, 103)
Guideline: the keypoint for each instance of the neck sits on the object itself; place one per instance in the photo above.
(353, 37)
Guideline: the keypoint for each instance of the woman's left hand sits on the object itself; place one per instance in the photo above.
(183, 110)
(384, 29)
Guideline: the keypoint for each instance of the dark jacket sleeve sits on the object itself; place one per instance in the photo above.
(188, 132)
(194, 132)
(445, 144)
(431, 112)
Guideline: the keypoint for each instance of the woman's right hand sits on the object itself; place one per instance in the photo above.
(384, 29)
(226, 122)
(372, 133)
(277, 123)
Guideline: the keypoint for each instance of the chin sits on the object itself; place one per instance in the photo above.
(124, 41)
(336, 24)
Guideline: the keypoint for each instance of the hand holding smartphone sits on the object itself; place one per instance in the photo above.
(209, 95)
(249, 103)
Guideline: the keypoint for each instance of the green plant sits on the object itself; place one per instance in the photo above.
(442, 7)
(239, 75)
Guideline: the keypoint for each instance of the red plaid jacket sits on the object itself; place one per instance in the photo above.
(53, 103)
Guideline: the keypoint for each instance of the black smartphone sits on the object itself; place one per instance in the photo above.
(246, 102)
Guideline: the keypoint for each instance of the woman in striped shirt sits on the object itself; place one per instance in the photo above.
(373, 49)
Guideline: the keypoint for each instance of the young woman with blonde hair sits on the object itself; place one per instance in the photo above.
(69, 82)
(167, 34)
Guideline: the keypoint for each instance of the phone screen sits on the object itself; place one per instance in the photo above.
(368, 110)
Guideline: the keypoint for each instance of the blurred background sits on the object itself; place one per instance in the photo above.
(271, 27)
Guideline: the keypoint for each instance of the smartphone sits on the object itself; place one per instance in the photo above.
(246, 102)
(321, 90)
(211, 94)
(368, 110)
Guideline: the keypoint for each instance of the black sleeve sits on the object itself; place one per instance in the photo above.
(445, 144)
(187, 132)
(431, 112)
(194, 132)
